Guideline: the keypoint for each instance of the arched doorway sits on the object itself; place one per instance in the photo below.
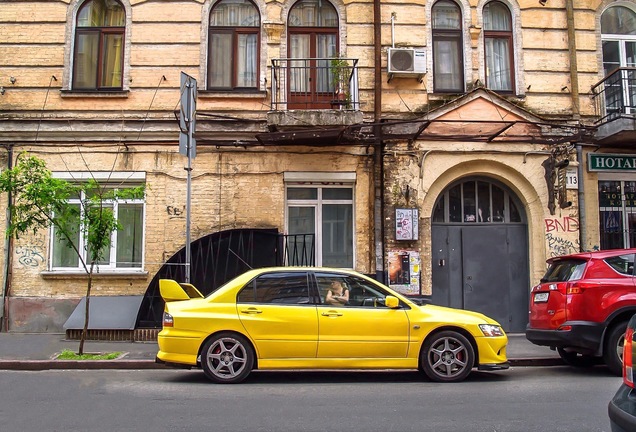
(480, 251)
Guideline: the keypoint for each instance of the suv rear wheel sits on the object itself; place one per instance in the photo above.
(613, 352)
(573, 358)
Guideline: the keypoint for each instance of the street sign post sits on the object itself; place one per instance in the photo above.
(187, 147)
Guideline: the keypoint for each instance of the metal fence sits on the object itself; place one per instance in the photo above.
(315, 83)
(615, 95)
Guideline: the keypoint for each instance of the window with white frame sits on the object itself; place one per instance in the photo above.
(126, 244)
(324, 212)
(618, 37)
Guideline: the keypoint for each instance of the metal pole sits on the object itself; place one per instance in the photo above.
(189, 179)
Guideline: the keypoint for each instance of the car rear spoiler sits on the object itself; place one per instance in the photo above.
(172, 290)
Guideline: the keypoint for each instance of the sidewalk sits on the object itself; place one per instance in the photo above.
(36, 351)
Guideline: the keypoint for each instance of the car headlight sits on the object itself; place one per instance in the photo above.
(491, 330)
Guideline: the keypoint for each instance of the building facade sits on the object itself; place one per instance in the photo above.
(446, 147)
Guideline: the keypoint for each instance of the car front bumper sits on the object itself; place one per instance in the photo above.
(622, 410)
(583, 336)
(491, 352)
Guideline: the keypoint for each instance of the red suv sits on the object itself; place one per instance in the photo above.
(582, 306)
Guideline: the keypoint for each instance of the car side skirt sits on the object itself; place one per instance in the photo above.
(337, 363)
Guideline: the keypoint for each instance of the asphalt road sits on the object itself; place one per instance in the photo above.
(522, 399)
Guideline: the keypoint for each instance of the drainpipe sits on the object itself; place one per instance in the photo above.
(378, 171)
(581, 193)
(8, 246)
(576, 115)
(574, 71)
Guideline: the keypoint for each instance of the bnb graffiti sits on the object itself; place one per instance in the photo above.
(564, 224)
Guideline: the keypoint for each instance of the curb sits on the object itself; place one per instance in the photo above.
(40, 365)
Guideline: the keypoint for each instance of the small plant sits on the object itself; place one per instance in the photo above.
(70, 355)
(340, 75)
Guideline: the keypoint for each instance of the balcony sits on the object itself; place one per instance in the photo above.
(615, 102)
(319, 91)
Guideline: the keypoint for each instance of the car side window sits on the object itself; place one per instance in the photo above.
(365, 294)
(623, 264)
(279, 288)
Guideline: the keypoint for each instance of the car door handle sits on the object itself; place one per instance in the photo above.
(329, 314)
(251, 311)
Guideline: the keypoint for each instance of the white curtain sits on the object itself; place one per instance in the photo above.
(326, 49)
(298, 69)
(247, 51)
(498, 64)
(446, 56)
(220, 59)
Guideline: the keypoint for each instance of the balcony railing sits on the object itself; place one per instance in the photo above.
(615, 95)
(315, 83)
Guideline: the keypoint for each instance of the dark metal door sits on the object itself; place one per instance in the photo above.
(483, 268)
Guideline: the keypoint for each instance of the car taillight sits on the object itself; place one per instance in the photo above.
(573, 288)
(628, 373)
(168, 321)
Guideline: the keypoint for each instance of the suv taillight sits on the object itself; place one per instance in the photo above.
(628, 373)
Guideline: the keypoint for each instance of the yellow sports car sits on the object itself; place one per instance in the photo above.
(320, 318)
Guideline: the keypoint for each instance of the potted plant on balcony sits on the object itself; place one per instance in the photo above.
(340, 74)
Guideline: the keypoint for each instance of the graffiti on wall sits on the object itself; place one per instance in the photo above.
(558, 246)
(30, 255)
(564, 224)
(175, 212)
(560, 235)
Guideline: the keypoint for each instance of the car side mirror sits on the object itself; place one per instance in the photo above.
(391, 302)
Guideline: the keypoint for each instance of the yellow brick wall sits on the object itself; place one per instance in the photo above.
(229, 190)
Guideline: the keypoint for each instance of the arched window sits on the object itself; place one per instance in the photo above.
(448, 64)
(99, 46)
(498, 47)
(618, 36)
(233, 45)
(313, 38)
(476, 201)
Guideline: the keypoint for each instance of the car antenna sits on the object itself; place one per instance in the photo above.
(242, 260)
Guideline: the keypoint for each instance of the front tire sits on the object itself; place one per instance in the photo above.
(613, 352)
(447, 356)
(227, 358)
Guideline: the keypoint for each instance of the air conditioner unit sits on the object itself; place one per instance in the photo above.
(406, 61)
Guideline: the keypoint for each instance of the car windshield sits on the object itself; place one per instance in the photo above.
(564, 270)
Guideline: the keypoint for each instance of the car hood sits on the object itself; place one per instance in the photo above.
(451, 315)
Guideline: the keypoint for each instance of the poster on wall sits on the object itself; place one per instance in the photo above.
(404, 271)
(406, 224)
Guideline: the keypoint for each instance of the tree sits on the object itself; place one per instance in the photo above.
(41, 201)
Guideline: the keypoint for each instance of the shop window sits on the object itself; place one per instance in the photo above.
(233, 45)
(498, 47)
(126, 243)
(325, 214)
(617, 208)
(448, 64)
(99, 46)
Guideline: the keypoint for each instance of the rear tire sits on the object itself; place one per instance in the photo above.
(575, 359)
(613, 352)
(227, 358)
